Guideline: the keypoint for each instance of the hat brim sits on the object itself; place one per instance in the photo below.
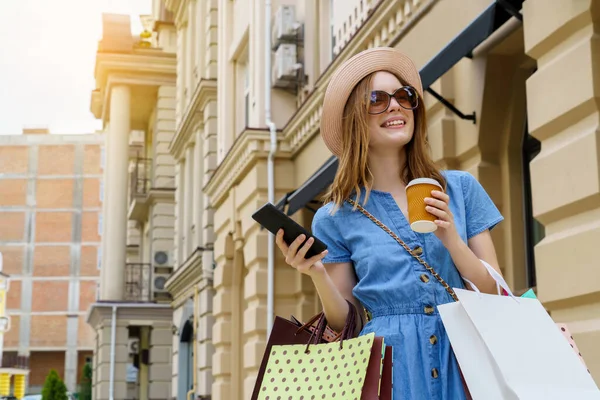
(348, 75)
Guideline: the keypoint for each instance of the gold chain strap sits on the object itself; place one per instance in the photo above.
(392, 234)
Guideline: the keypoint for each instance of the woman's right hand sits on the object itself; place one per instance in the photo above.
(294, 255)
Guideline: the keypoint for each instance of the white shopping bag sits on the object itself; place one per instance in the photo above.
(509, 348)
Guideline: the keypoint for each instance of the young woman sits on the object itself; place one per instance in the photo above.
(374, 122)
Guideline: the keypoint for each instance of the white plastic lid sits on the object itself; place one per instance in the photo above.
(423, 226)
(423, 180)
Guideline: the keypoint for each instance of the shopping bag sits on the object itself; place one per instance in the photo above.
(380, 361)
(509, 348)
(387, 380)
(564, 329)
(286, 332)
(325, 370)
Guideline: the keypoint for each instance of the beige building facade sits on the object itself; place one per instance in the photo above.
(135, 100)
(511, 90)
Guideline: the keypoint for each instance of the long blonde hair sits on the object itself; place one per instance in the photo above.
(353, 171)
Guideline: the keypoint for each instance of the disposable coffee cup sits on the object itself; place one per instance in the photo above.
(417, 190)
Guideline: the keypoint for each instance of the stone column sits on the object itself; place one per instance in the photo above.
(187, 201)
(198, 197)
(563, 114)
(105, 222)
(190, 57)
(116, 194)
(200, 35)
(181, 71)
(160, 361)
(203, 341)
(179, 214)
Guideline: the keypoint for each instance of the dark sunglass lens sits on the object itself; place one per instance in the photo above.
(407, 98)
(378, 101)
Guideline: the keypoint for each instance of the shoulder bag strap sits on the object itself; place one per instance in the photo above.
(401, 242)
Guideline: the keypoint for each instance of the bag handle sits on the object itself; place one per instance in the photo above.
(317, 333)
(401, 242)
(500, 282)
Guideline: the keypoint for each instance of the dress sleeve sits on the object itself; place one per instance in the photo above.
(326, 230)
(480, 211)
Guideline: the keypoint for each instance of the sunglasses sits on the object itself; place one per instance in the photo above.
(406, 96)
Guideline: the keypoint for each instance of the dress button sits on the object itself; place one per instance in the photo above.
(424, 278)
(433, 339)
(434, 373)
(428, 310)
(418, 250)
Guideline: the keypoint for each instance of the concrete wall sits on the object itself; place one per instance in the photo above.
(50, 206)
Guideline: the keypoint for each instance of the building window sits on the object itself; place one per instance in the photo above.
(100, 222)
(99, 258)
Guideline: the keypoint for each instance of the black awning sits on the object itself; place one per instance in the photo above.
(492, 18)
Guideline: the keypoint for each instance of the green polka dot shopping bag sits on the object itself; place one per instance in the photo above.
(304, 362)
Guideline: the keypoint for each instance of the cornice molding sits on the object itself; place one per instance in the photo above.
(252, 144)
(180, 11)
(130, 69)
(139, 64)
(182, 281)
(205, 91)
(101, 312)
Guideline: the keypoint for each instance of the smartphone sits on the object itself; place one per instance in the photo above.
(273, 219)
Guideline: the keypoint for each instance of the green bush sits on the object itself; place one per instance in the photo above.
(85, 392)
(54, 387)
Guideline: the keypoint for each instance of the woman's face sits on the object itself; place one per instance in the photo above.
(392, 129)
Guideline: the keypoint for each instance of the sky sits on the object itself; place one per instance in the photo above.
(47, 57)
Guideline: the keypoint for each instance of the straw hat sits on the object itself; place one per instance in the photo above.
(347, 76)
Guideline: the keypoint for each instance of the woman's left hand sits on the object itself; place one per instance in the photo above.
(438, 205)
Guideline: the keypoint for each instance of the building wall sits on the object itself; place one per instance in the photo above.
(194, 148)
(499, 83)
(50, 210)
(564, 117)
(510, 84)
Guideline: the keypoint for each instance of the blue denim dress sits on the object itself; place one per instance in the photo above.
(396, 289)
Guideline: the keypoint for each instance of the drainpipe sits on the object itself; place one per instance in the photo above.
(270, 166)
(194, 349)
(113, 336)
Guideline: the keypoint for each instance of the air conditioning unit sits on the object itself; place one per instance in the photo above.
(163, 258)
(284, 25)
(285, 66)
(159, 279)
(158, 282)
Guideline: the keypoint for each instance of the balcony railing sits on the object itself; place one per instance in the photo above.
(139, 180)
(11, 359)
(138, 282)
